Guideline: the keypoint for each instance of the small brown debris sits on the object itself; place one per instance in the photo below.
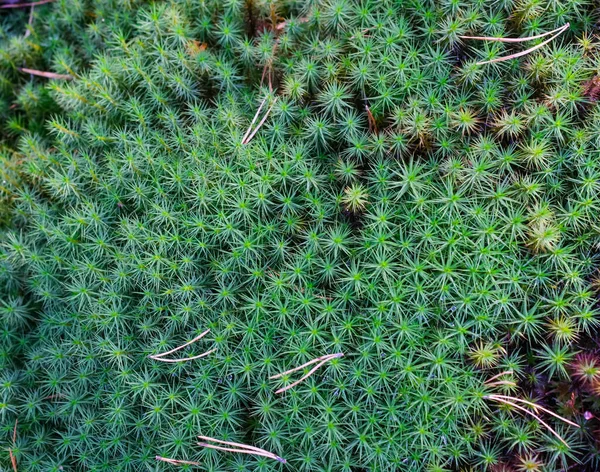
(591, 89)
(195, 47)
(372, 121)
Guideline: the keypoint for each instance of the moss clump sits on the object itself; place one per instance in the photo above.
(432, 219)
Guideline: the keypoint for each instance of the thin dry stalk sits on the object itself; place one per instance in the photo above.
(321, 361)
(30, 22)
(176, 461)
(200, 336)
(501, 382)
(47, 75)
(533, 405)
(247, 138)
(160, 357)
(372, 122)
(240, 448)
(254, 119)
(306, 364)
(25, 5)
(525, 410)
(517, 40)
(13, 459)
(184, 359)
(506, 372)
(560, 30)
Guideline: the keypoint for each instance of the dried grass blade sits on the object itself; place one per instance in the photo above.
(200, 336)
(253, 120)
(47, 75)
(25, 5)
(522, 53)
(525, 410)
(506, 372)
(311, 372)
(533, 405)
(238, 445)
(260, 123)
(176, 461)
(13, 460)
(502, 382)
(516, 40)
(204, 354)
(306, 364)
(245, 451)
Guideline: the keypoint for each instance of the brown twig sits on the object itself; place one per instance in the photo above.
(321, 361)
(516, 40)
(13, 459)
(372, 122)
(529, 412)
(175, 461)
(48, 75)
(30, 22)
(249, 135)
(534, 406)
(559, 31)
(506, 372)
(159, 357)
(240, 448)
(25, 5)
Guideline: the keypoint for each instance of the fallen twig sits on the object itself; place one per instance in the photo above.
(176, 461)
(512, 402)
(159, 357)
(30, 22)
(13, 459)
(490, 382)
(558, 32)
(534, 406)
(249, 133)
(525, 410)
(321, 361)
(372, 122)
(239, 448)
(48, 75)
(506, 372)
(25, 5)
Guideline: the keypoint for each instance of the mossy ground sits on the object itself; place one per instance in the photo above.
(433, 219)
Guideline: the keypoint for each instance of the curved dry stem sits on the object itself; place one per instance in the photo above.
(249, 138)
(25, 5)
(524, 53)
(200, 336)
(533, 405)
(502, 382)
(254, 120)
(506, 372)
(262, 452)
(47, 75)
(175, 461)
(306, 364)
(204, 354)
(240, 445)
(311, 372)
(525, 410)
(516, 40)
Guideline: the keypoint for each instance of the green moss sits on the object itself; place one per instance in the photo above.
(431, 218)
